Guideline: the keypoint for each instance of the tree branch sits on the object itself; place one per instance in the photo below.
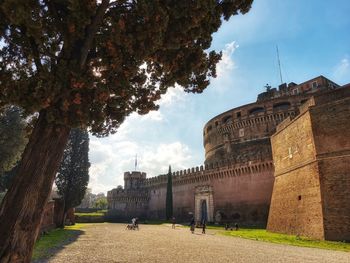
(91, 31)
(34, 48)
(36, 54)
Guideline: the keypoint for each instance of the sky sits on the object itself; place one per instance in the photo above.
(313, 39)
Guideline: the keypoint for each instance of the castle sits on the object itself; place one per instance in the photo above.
(236, 182)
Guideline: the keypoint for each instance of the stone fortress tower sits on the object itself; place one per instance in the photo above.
(243, 134)
(134, 180)
(130, 201)
(236, 181)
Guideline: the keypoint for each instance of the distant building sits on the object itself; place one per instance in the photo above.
(236, 181)
(88, 200)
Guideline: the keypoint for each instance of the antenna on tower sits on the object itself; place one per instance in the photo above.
(135, 162)
(279, 64)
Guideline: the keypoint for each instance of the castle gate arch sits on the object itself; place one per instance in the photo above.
(204, 204)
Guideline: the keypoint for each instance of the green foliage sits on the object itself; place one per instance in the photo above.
(263, 235)
(73, 175)
(56, 238)
(169, 196)
(91, 63)
(101, 203)
(13, 137)
(90, 218)
(98, 213)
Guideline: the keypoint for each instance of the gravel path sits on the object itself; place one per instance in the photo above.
(112, 243)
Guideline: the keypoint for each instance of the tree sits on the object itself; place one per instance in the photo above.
(73, 175)
(89, 64)
(13, 137)
(101, 203)
(7, 178)
(169, 196)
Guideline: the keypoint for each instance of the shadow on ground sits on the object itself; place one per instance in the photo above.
(52, 243)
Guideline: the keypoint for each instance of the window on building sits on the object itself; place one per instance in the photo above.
(282, 105)
(314, 85)
(227, 120)
(256, 110)
(239, 114)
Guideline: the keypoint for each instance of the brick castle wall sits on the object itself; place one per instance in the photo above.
(311, 195)
(331, 129)
(241, 193)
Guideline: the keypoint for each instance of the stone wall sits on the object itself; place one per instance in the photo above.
(47, 219)
(241, 193)
(311, 195)
(331, 129)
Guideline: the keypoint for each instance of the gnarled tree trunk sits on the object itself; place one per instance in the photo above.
(23, 205)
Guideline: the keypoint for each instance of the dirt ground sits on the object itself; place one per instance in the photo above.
(159, 243)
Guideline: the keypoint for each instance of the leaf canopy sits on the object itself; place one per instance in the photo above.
(90, 63)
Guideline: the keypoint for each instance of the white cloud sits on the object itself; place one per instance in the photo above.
(342, 70)
(173, 95)
(226, 64)
(111, 157)
(157, 161)
(225, 69)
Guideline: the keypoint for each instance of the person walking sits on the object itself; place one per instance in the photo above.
(173, 221)
(192, 225)
(137, 223)
(203, 227)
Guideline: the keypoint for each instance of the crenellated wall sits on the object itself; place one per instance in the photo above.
(241, 193)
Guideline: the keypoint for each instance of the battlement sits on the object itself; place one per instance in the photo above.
(215, 170)
(127, 195)
(316, 100)
(310, 86)
(135, 175)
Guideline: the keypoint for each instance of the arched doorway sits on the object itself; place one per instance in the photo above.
(204, 211)
(204, 204)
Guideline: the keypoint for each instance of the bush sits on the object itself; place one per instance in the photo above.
(94, 217)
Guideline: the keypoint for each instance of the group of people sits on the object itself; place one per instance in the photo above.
(135, 225)
(193, 226)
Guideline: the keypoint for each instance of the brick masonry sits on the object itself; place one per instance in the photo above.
(311, 195)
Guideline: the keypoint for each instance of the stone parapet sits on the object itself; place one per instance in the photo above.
(204, 173)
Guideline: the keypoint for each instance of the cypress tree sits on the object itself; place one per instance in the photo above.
(89, 64)
(169, 196)
(73, 175)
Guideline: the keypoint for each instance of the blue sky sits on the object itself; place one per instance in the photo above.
(313, 39)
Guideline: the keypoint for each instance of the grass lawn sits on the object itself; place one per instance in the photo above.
(98, 213)
(47, 244)
(263, 235)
